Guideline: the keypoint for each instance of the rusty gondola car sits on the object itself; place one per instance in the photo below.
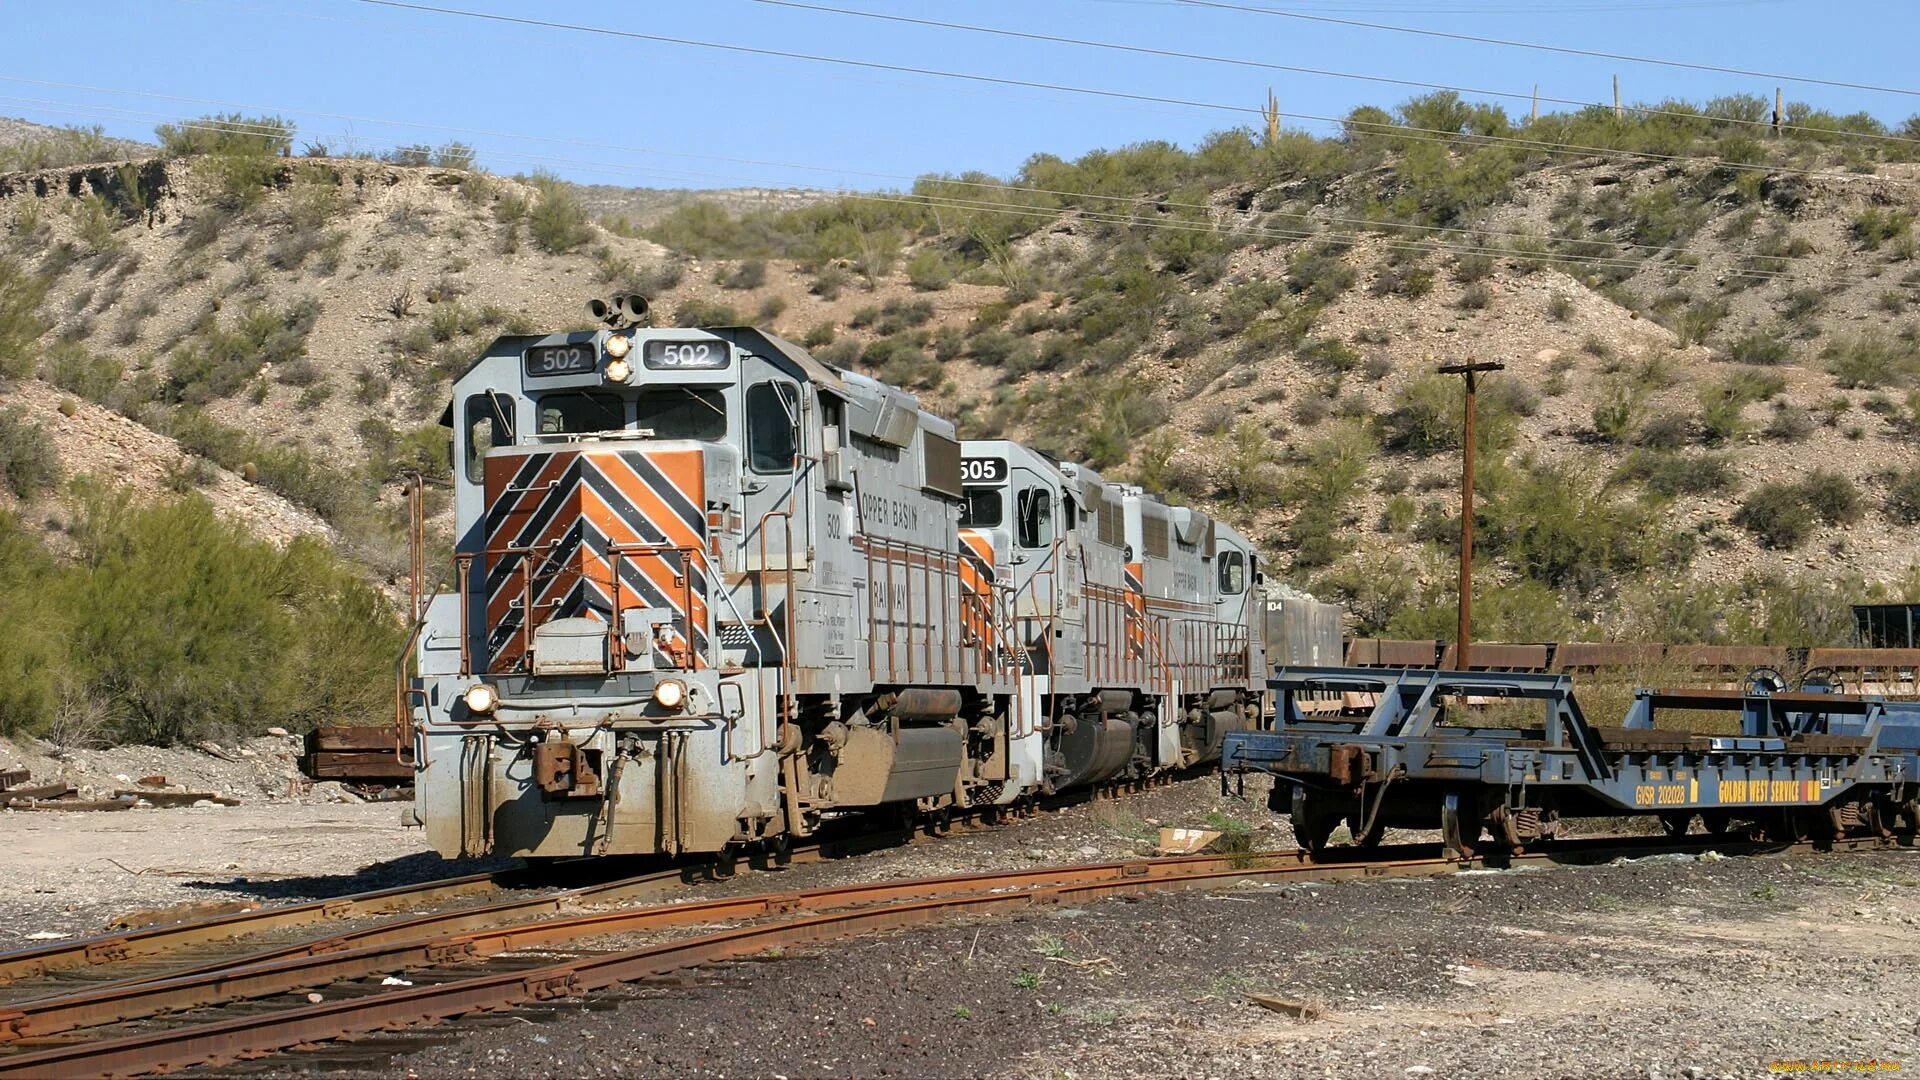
(712, 592)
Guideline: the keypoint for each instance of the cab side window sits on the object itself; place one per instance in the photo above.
(773, 418)
(1233, 573)
(486, 428)
(1036, 518)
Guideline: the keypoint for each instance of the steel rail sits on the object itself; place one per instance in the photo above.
(885, 905)
(297, 971)
(151, 941)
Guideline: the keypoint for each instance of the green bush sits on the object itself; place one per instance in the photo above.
(1670, 474)
(61, 147)
(1876, 225)
(929, 270)
(1559, 529)
(696, 312)
(1831, 497)
(557, 221)
(1776, 515)
(21, 322)
(218, 361)
(1760, 347)
(28, 463)
(1320, 274)
(1872, 360)
(183, 627)
(1903, 498)
(73, 367)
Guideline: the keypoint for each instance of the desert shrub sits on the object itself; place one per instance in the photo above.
(1903, 498)
(21, 321)
(929, 270)
(1320, 274)
(1871, 360)
(1617, 415)
(1760, 347)
(392, 454)
(73, 367)
(1671, 474)
(746, 274)
(58, 148)
(897, 316)
(557, 222)
(191, 628)
(1776, 516)
(241, 152)
(1330, 355)
(28, 463)
(1428, 414)
(217, 361)
(1560, 307)
(1723, 404)
(902, 360)
(1831, 497)
(1468, 269)
(1789, 423)
(1876, 225)
(696, 312)
(1559, 529)
(1781, 515)
(1409, 281)
(1476, 297)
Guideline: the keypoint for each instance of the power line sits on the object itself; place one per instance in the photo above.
(1544, 146)
(1311, 227)
(1174, 54)
(1562, 49)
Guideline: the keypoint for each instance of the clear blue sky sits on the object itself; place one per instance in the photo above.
(606, 110)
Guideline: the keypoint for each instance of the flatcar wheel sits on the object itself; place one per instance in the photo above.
(1312, 824)
(1676, 824)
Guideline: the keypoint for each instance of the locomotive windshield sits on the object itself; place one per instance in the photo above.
(681, 412)
(581, 410)
(668, 412)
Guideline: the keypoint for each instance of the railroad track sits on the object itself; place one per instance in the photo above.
(526, 952)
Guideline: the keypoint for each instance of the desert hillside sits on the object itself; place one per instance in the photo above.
(1706, 429)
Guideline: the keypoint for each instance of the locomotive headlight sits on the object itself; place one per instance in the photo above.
(618, 370)
(670, 693)
(619, 345)
(481, 699)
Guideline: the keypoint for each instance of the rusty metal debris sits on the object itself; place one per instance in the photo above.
(1300, 1010)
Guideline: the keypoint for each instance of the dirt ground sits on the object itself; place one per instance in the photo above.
(1657, 969)
(1666, 967)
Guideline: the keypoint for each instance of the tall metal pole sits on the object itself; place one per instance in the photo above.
(1463, 643)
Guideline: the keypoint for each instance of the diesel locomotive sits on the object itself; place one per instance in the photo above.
(710, 592)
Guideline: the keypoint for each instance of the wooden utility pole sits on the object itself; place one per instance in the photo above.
(1464, 641)
(1779, 114)
(1535, 115)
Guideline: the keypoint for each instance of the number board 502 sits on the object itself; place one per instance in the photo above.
(664, 355)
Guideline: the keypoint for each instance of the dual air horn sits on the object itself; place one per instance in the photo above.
(625, 309)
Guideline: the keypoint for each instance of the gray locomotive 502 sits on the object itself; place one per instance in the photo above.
(710, 591)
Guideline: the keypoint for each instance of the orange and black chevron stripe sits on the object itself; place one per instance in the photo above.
(976, 579)
(590, 532)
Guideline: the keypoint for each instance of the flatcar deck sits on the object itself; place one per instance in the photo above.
(1805, 764)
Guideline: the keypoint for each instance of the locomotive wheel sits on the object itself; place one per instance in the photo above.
(1312, 824)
